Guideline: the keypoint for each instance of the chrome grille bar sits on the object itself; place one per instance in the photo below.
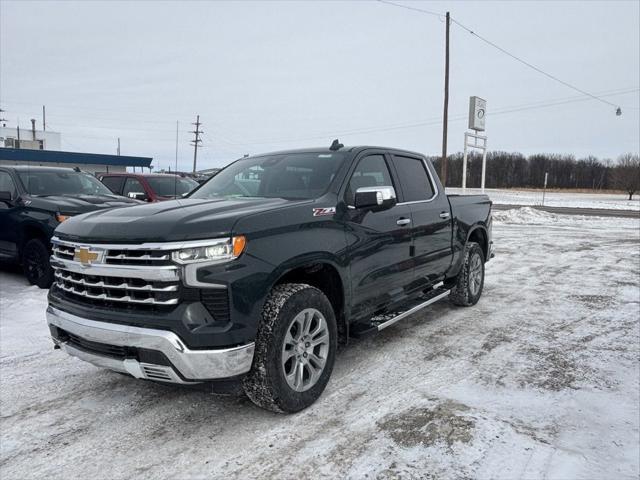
(152, 273)
(63, 251)
(125, 299)
(145, 257)
(122, 286)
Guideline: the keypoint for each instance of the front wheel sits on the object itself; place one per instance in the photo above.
(470, 281)
(295, 349)
(35, 263)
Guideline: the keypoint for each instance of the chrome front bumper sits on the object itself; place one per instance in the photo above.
(189, 366)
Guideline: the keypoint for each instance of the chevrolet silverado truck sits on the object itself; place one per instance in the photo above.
(33, 202)
(257, 275)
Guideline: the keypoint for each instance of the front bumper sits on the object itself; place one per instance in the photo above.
(136, 350)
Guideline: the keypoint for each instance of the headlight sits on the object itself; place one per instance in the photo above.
(217, 250)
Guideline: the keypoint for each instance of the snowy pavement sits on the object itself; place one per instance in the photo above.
(615, 201)
(539, 380)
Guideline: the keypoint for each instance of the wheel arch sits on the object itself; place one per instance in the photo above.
(327, 276)
(30, 231)
(479, 234)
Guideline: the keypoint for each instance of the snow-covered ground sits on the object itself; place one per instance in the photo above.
(539, 380)
(557, 199)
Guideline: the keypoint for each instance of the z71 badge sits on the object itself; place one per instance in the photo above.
(322, 212)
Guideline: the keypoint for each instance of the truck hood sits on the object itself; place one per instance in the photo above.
(77, 204)
(168, 221)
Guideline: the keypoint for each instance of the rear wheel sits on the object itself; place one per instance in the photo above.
(35, 263)
(295, 349)
(470, 281)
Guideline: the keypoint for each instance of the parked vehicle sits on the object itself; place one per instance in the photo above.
(33, 202)
(148, 187)
(258, 274)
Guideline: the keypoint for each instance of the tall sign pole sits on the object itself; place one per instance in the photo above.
(445, 119)
(477, 113)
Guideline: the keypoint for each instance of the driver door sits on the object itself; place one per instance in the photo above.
(378, 242)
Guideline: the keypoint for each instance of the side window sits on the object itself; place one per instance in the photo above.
(414, 179)
(371, 171)
(113, 183)
(6, 184)
(132, 185)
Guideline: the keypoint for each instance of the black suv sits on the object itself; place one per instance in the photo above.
(34, 201)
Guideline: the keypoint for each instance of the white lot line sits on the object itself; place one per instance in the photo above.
(540, 379)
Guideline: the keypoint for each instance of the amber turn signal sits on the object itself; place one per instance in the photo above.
(238, 245)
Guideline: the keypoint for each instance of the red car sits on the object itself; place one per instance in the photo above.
(148, 187)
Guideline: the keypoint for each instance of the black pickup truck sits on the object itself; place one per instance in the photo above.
(34, 200)
(260, 272)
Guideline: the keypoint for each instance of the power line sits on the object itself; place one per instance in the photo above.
(537, 69)
(415, 9)
(515, 57)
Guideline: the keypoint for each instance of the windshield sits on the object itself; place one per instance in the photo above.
(62, 183)
(170, 186)
(289, 175)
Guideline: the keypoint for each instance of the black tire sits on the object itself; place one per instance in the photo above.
(35, 263)
(467, 288)
(266, 384)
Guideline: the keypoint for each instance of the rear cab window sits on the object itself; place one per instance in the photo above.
(414, 178)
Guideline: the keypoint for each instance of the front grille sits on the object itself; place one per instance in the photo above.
(128, 277)
(117, 289)
(119, 277)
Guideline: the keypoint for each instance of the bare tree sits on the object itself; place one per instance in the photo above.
(626, 174)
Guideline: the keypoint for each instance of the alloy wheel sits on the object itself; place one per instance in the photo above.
(305, 349)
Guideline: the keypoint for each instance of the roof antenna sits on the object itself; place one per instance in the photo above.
(336, 145)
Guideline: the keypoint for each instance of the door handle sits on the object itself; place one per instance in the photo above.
(445, 215)
(403, 222)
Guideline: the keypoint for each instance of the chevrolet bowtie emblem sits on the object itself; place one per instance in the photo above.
(85, 256)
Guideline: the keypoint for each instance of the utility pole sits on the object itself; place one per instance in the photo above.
(445, 120)
(44, 120)
(176, 147)
(196, 141)
(118, 146)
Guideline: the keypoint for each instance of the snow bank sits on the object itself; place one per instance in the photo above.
(525, 215)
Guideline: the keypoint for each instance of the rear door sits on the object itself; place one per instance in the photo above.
(378, 242)
(431, 226)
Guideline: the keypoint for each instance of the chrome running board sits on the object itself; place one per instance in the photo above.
(384, 321)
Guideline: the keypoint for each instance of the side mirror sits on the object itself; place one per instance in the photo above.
(378, 198)
(6, 196)
(138, 195)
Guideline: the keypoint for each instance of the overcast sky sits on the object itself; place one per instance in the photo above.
(273, 75)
